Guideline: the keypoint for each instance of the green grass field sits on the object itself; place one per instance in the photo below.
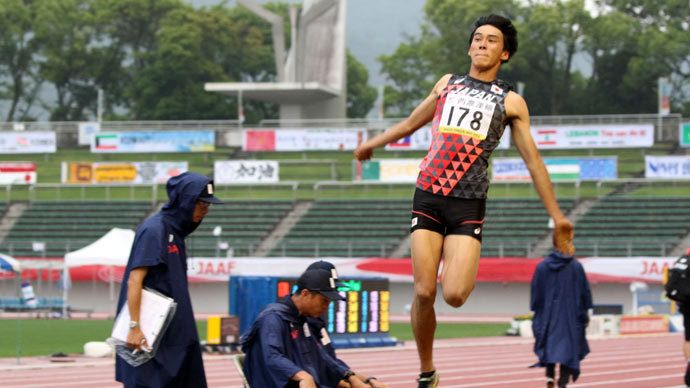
(43, 337)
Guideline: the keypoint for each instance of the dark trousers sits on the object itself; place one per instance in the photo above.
(563, 379)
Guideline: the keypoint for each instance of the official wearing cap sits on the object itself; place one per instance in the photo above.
(281, 349)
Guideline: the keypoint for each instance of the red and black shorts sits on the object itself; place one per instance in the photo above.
(448, 215)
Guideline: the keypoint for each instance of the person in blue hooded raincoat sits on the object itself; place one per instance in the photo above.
(283, 352)
(560, 299)
(158, 260)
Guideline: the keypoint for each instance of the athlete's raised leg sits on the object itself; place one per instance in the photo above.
(426, 247)
(460, 265)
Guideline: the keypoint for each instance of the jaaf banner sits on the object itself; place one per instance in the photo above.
(495, 270)
(303, 139)
(245, 171)
(667, 167)
(122, 172)
(27, 142)
(17, 173)
(595, 168)
(593, 136)
(160, 141)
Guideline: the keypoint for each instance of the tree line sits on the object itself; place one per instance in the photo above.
(571, 59)
(150, 58)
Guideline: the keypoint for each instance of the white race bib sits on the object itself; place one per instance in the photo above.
(467, 115)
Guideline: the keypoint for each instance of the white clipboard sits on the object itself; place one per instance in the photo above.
(155, 313)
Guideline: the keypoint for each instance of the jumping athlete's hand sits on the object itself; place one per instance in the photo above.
(563, 236)
(363, 153)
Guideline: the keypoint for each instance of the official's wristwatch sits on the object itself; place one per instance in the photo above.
(133, 324)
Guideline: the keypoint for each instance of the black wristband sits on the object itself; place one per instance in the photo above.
(348, 374)
(368, 380)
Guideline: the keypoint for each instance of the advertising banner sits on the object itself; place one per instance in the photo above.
(122, 172)
(27, 142)
(86, 131)
(303, 139)
(389, 170)
(654, 324)
(514, 169)
(598, 269)
(667, 167)
(593, 136)
(245, 171)
(17, 173)
(664, 86)
(684, 136)
(420, 140)
(161, 141)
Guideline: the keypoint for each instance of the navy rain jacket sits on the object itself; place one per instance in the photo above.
(560, 298)
(281, 343)
(159, 244)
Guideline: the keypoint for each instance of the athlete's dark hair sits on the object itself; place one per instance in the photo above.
(510, 42)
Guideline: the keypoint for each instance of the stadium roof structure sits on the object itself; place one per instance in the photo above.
(311, 78)
(276, 92)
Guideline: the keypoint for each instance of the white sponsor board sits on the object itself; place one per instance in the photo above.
(17, 173)
(27, 142)
(675, 167)
(245, 171)
(86, 131)
(593, 136)
(318, 139)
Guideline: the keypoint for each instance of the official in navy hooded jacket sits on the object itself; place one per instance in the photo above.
(560, 299)
(158, 260)
(281, 348)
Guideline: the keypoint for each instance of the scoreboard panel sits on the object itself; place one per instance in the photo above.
(364, 311)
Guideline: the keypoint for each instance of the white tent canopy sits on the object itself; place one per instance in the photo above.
(111, 249)
(9, 263)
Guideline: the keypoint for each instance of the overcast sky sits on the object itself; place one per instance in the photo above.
(374, 27)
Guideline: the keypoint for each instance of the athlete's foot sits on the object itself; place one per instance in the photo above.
(428, 380)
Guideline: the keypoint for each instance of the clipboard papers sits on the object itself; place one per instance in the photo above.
(155, 314)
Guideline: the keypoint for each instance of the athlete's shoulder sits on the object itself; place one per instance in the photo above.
(443, 81)
(515, 104)
(503, 84)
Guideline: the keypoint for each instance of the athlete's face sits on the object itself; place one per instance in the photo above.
(486, 50)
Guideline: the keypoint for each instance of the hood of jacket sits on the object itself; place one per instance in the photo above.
(557, 260)
(183, 192)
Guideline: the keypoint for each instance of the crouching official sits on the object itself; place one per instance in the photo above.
(284, 351)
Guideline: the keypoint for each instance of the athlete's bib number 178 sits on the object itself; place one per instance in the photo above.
(466, 115)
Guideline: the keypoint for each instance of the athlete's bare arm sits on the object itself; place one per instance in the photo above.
(518, 114)
(421, 115)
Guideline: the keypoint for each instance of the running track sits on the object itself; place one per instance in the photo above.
(630, 362)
